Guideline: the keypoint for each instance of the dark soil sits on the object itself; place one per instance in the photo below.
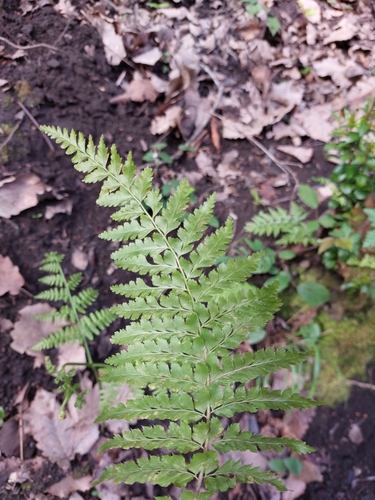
(71, 89)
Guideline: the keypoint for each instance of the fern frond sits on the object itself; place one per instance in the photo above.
(54, 295)
(276, 221)
(74, 281)
(187, 316)
(84, 299)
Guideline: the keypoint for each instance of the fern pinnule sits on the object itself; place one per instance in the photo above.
(186, 318)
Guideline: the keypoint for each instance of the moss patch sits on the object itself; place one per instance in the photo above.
(347, 349)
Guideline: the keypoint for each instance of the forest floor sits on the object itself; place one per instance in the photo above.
(71, 65)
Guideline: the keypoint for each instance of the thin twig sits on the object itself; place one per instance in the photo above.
(63, 32)
(11, 134)
(27, 112)
(28, 47)
(20, 427)
(363, 385)
(272, 157)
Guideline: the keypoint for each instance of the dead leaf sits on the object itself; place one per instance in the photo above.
(150, 58)
(317, 121)
(11, 279)
(71, 352)
(345, 29)
(65, 8)
(163, 123)
(205, 164)
(296, 422)
(77, 496)
(61, 207)
(304, 155)
(311, 10)
(80, 259)
(215, 136)
(340, 73)
(295, 486)
(225, 168)
(60, 440)
(355, 434)
(28, 331)
(113, 44)
(5, 324)
(20, 193)
(67, 485)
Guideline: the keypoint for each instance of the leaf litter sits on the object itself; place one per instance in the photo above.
(334, 78)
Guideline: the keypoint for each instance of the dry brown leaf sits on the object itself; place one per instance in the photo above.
(65, 8)
(20, 193)
(304, 155)
(205, 164)
(113, 44)
(5, 324)
(311, 10)
(59, 440)
(225, 168)
(117, 426)
(67, 485)
(163, 123)
(80, 259)
(317, 121)
(11, 279)
(71, 352)
(340, 73)
(355, 434)
(61, 207)
(295, 486)
(297, 422)
(28, 331)
(345, 29)
(77, 496)
(149, 58)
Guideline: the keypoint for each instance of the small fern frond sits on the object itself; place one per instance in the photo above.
(276, 221)
(54, 295)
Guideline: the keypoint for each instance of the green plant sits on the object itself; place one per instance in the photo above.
(283, 465)
(2, 415)
(156, 155)
(81, 325)
(254, 7)
(186, 319)
(354, 152)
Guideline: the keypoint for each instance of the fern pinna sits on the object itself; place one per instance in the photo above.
(187, 317)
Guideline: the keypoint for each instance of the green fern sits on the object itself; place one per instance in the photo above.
(187, 317)
(278, 221)
(82, 325)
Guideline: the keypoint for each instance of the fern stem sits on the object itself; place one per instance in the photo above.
(89, 365)
(156, 228)
(83, 338)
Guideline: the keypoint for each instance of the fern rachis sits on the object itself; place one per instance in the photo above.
(184, 327)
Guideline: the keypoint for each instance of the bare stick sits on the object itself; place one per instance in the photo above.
(272, 157)
(11, 134)
(29, 115)
(363, 385)
(28, 47)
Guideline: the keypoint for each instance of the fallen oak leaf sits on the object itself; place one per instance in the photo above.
(69, 485)
(302, 154)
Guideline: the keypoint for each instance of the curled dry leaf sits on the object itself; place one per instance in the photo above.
(304, 155)
(138, 90)
(113, 44)
(28, 331)
(11, 279)
(68, 485)
(355, 434)
(317, 121)
(311, 10)
(166, 122)
(80, 259)
(20, 193)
